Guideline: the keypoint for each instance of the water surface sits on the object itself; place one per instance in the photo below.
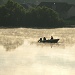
(21, 54)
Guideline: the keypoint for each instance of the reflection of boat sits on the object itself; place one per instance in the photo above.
(49, 41)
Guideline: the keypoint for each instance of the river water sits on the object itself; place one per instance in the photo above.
(21, 54)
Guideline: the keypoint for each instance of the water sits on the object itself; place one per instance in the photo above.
(21, 54)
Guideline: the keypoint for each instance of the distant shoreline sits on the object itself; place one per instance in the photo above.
(67, 26)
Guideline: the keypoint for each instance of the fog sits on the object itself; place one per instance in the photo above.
(21, 55)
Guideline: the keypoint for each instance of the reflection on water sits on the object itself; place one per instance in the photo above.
(10, 43)
(32, 58)
(46, 44)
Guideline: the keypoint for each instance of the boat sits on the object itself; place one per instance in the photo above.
(49, 41)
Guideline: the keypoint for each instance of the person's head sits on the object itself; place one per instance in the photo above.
(40, 38)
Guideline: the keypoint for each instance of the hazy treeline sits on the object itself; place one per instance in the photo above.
(13, 14)
(38, 1)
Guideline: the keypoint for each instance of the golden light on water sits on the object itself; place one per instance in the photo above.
(31, 58)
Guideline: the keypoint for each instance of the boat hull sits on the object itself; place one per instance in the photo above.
(49, 41)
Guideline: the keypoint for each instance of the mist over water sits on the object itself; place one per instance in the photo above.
(21, 54)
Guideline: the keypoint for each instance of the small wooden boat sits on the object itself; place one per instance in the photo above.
(49, 41)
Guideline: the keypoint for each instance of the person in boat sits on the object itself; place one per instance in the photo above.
(51, 37)
(40, 40)
(44, 38)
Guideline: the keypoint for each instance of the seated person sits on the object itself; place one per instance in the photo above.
(51, 37)
(40, 40)
(44, 38)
